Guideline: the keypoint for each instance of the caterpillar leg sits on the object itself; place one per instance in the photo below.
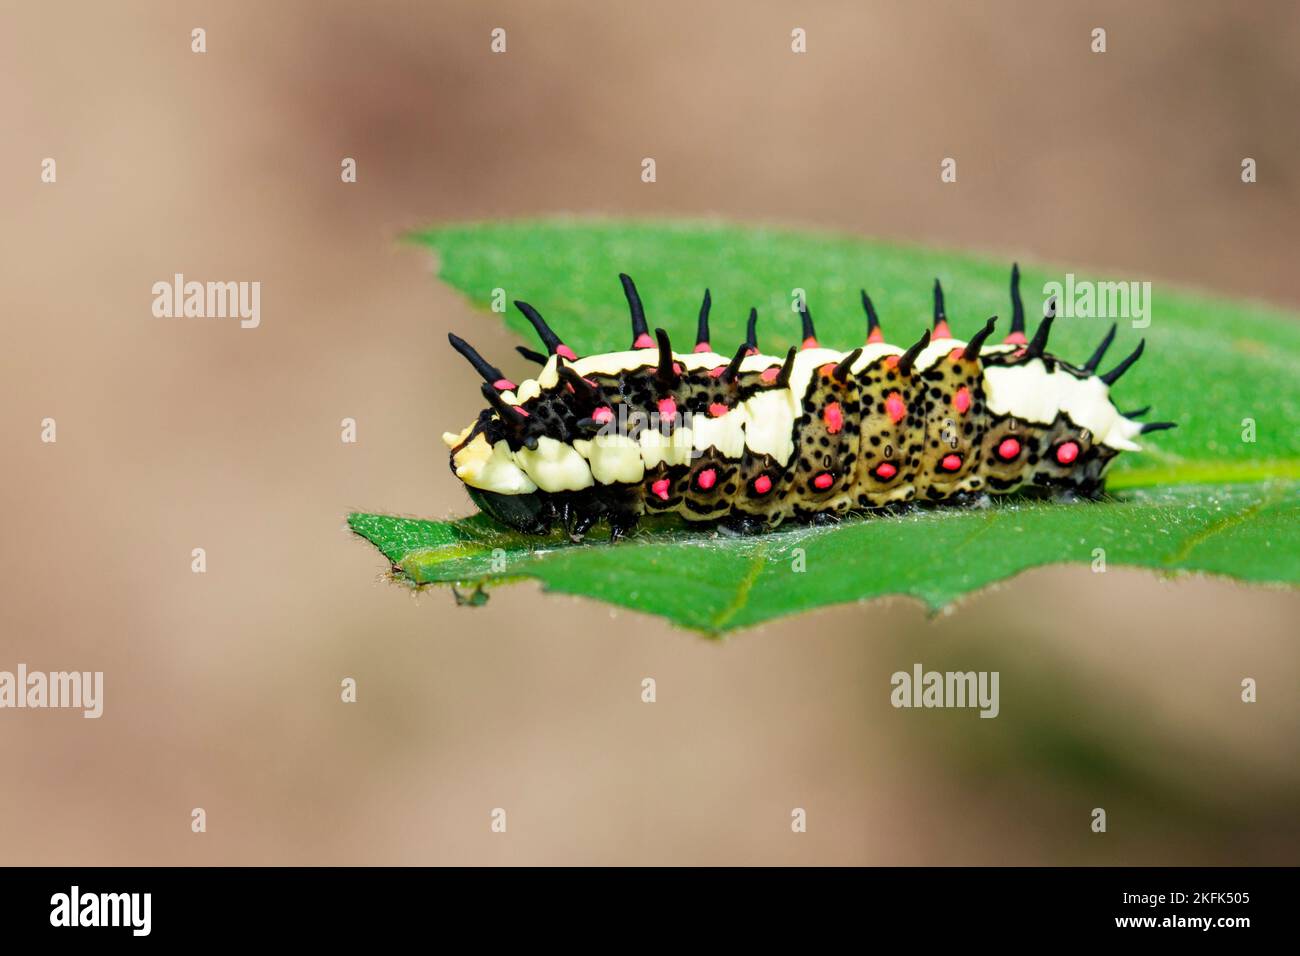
(739, 524)
(621, 524)
(1092, 492)
(578, 523)
(822, 518)
(971, 499)
(615, 504)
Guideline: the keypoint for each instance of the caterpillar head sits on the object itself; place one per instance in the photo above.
(1053, 425)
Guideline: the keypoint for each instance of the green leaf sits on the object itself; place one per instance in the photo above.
(1200, 499)
(714, 583)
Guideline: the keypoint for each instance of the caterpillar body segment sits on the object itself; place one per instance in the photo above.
(753, 440)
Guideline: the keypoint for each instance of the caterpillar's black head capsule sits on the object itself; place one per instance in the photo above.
(529, 513)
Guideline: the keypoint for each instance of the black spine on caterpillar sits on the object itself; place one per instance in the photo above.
(755, 440)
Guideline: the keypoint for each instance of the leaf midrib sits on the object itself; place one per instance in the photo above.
(1220, 526)
(738, 601)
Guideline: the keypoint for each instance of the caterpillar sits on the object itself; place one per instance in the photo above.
(751, 440)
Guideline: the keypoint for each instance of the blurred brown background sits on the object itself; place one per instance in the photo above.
(222, 690)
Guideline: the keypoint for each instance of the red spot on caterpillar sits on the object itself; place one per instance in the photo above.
(833, 416)
(885, 471)
(751, 351)
(950, 462)
(876, 336)
(1016, 338)
(824, 481)
(961, 401)
(827, 369)
(895, 407)
(563, 351)
(521, 410)
(955, 355)
(809, 343)
(660, 488)
(762, 484)
(941, 331)
(891, 361)
(717, 372)
(706, 479)
(702, 347)
(504, 385)
(667, 408)
(1067, 452)
(717, 409)
(769, 374)
(677, 367)
(603, 414)
(1009, 449)
(643, 341)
